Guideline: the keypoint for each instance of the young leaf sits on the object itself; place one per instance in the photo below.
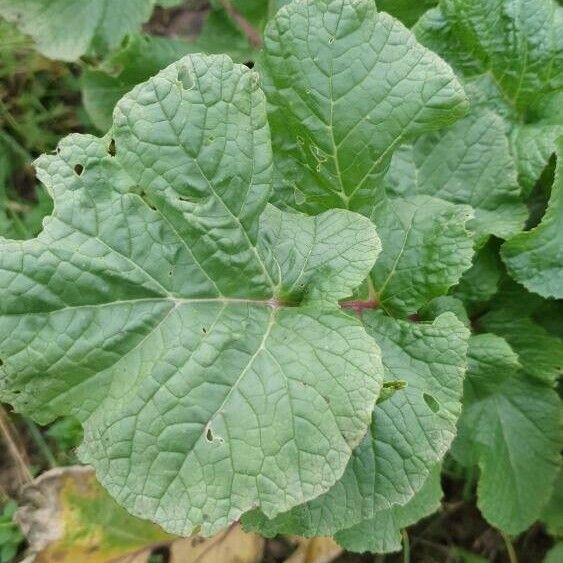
(382, 533)
(347, 85)
(208, 361)
(535, 258)
(468, 163)
(410, 431)
(68, 29)
(426, 249)
(515, 46)
(510, 427)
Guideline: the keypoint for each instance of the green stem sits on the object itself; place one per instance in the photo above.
(406, 547)
(510, 551)
(40, 442)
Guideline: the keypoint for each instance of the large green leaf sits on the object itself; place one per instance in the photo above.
(198, 339)
(346, 86)
(382, 533)
(535, 258)
(68, 29)
(510, 427)
(410, 431)
(468, 163)
(515, 48)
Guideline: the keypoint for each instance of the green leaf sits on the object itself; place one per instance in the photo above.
(141, 57)
(221, 34)
(68, 29)
(535, 258)
(444, 304)
(481, 282)
(408, 11)
(516, 41)
(468, 163)
(514, 49)
(207, 359)
(510, 427)
(540, 353)
(346, 86)
(555, 554)
(533, 146)
(410, 432)
(382, 534)
(426, 249)
(552, 516)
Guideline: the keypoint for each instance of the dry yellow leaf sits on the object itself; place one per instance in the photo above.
(68, 517)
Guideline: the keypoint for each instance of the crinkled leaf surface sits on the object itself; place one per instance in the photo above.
(540, 353)
(535, 258)
(532, 145)
(410, 431)
(208, 361)
(347, 85)
(426, 249)
(68, 29)
(140, 58)
(517, 47)
(382, 534)
(511, 428)
(468, 163)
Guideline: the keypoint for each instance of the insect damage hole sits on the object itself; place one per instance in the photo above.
(78, 169)
(432, 403)
(211, 437)
(111, 149)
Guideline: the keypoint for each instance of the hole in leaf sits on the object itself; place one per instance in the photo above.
(202, 328)
(111, 148)
(78, 169)
(249, 64)
(185, 77)
(209, 435)
(432, 403)
(160, 554)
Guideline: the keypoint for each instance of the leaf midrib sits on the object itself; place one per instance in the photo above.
(272, 302)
